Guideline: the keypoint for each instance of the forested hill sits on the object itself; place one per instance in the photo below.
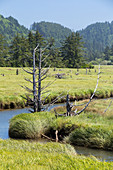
(9, 27)
(49, 29)
(96, 37)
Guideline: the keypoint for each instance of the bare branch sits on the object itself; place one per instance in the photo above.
(91, 96)
(81, 104)
(44, 66)
(48, 85)
(27, 71)
(45, 48)
(28, 80)
(45, 71)
(45, 57)
(107, 107)
(45, 99)
(44, 78)
(46, 91)
(26, 88)
(54, 101)
(57, 114)
(36, 47)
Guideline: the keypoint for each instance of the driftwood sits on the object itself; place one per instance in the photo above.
(60, 76)
(107, 107)
(55, 140)
(69, 106)
(48, 138)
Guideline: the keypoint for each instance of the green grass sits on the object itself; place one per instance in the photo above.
(16, 155)
(92, 128)
(79, 86)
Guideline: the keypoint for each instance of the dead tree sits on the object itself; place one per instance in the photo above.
(36, 101)
(69, 106)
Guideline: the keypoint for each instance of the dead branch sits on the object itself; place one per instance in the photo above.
(45, 92)
(26, 88)
(48, 137)
(28, 80)
(45, 58)
(43, 88)
(77, 113)
(107, 107)
(44, 77)
(45, 99)
(45, 71)
(27, 71)
(54, 101)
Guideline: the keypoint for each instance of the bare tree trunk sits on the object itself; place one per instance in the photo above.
(39, 83)
(36, 102)
(34, 84)
(68, 105)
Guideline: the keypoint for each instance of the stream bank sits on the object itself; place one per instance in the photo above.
(6, 115)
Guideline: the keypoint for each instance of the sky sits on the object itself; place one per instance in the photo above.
(74, 14)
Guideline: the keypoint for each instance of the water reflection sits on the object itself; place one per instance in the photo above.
(100, 154)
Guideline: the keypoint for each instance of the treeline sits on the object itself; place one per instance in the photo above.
(96, 37)
(106, 57)
(9, 27)
(49, 29)
(20, 51)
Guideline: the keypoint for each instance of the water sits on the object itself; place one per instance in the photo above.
(98, 153)
(6, 115)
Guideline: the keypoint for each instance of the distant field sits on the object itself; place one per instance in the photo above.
(77, 85)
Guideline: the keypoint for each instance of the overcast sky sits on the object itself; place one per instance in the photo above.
(74, 14)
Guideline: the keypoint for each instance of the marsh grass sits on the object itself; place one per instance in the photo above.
(25, 155)
(29, 126)
(79, 86)
(92, 128)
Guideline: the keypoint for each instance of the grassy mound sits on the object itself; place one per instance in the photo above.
(29, 126)
(92, 129)
(25, 155)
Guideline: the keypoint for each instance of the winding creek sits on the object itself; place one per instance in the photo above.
(6, 115)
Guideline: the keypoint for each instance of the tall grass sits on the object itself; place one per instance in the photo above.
(79, 86)
(29, 126)
(93, 128)
(32, 156)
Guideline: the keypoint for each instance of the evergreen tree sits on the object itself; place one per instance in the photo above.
(3, 51)
(31, 41)
(72, 50)
(19, 51)
(38, 38)
(107, 52)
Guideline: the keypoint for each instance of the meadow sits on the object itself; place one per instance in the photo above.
(76, 83)
(92, 128)
(32, 156)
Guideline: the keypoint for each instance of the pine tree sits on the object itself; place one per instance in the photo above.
(72, 50)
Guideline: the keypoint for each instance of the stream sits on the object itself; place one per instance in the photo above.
(6, 115)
